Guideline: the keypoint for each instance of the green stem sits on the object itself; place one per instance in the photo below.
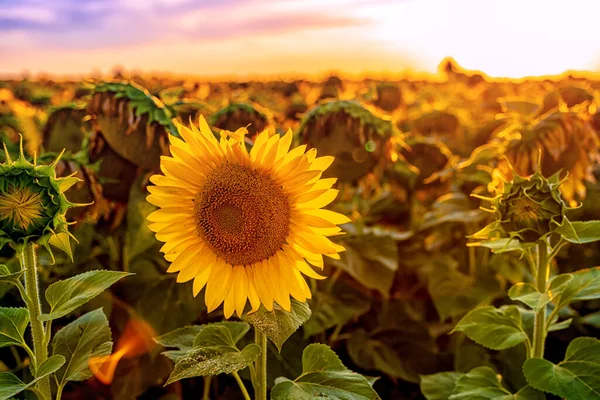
(29, 264)
(241, 385)
(59, 392)
(260, 383)
(541, 281)
(206, 389)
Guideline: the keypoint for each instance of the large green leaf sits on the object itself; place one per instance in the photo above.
(585, 285)
(577, 377)
(278, 325)
(493, 328)
(13, 322)
(579, 231)
(333, 309)
(454, 293)
(67, 295)
(214, 352)
(480, 383)
(439, 386)
(323, 376)
(528, 294)
(10, 385)
(87, 336)
(370, 259)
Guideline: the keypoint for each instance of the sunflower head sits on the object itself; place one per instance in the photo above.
(525, 208)
(132, 121)
(351, 133)
(242, 114)
(33, 204)
(246, 224)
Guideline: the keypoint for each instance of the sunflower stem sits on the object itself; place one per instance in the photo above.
(29, 264)
(206, 389)
(260, 383)
(541, 281)
(241, 385)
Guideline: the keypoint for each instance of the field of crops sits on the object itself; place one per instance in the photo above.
(464, 267)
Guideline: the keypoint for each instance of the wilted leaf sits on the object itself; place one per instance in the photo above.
(575, 378)
(323, 376)
(87, 336)
(493, 328)
(278, 325)
(67, 295)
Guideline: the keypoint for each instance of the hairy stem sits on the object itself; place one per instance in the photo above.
(260, 381)
(29, 264)
(541, 281)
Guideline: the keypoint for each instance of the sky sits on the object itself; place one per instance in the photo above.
(508, 38)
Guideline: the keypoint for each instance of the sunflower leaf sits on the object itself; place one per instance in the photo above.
(482, 383)
(439, 386)
(577, 377)
(278, 325)
(494, 328)
(10, 385)
(214, 352)
(10, 277)
(323, 376)
(579, 231)
(585, 285)
(67, 295)
(13, 322)
(88, 336)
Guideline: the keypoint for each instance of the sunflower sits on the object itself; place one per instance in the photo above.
(247, 225)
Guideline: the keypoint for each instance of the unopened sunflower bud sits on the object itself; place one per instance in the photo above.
(33, 204)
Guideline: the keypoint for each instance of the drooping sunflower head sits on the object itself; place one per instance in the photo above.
(246, 224)
(33, 204)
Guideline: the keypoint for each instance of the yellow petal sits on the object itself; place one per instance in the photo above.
(218, 285)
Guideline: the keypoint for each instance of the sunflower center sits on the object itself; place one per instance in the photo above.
(242, 214)
(21, 206)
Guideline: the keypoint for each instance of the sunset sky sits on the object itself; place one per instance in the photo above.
(512, 38)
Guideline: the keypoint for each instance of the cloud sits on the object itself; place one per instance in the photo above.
(79, 24)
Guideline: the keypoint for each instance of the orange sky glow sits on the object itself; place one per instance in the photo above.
(509, 38)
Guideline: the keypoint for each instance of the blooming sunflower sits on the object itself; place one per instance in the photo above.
(247, 225)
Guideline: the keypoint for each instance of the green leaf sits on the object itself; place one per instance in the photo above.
(278, 325)
(10, 277)
(557, 326)
(214, 352)
(528, 294)
(333, 309)
(585, 285)
(10, 385)
(69, 294)
(62, 241)
(577, 377)
(592, 319)
(505, 245)
(182, 338)
(371, 260)
(493, 328)
(480, 383)
(579, 231)
(13, 322)
(323, 376)
(88, 336)
(439, 386)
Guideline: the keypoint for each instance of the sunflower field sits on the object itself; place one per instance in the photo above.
(169, 238)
